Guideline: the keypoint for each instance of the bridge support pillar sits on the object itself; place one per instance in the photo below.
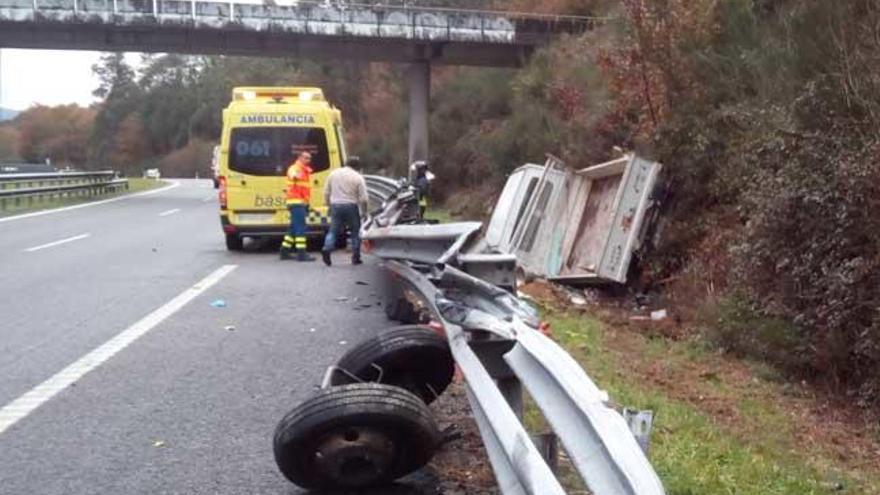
(419, 75)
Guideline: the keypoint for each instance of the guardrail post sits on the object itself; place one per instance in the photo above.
(491, 353)
(548, 445)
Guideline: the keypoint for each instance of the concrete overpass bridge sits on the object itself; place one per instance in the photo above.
(306, 29)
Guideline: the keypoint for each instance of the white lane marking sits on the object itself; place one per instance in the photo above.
(169, 212)
(21, 407)
(86, 205)
(56, 243)
(209, 198)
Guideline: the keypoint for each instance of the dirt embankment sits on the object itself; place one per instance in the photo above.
(827, 431)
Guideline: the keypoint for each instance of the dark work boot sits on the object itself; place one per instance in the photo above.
(356, 259)
(325, 255)
(284, 254)
(302, 255)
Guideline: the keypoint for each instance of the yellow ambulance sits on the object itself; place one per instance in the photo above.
(264, 129)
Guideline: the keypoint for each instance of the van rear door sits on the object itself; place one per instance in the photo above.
(258, 161)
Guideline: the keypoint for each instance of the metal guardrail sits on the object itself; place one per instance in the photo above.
(379, 189)
(495, 340)
(18, 190)
(308, 17)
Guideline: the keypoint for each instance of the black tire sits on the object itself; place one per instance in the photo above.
(355, 436)
(234, 242)
(411, 357)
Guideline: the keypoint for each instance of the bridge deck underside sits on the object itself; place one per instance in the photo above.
(208, 41)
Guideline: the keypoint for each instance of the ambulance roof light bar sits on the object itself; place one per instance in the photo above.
(276, 93)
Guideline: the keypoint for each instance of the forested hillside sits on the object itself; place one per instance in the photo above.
(765, 114)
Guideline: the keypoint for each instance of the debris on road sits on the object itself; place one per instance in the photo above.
(158, 444)
(229, 328)
(361, 282)
(340, 299)
(372, 404)
(218, 303)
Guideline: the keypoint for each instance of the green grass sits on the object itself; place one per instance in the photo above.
(692, 451)
(134, 185)
(441, 214)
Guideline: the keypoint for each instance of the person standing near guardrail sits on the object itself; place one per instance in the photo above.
(421, 179)
(299, 191)
(346, 193)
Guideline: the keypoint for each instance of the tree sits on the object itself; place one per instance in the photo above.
(121, 96)
(8, 142)
(59, 133)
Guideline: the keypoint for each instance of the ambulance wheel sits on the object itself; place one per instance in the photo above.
(234, 242)
(355, 436)
(412, 357)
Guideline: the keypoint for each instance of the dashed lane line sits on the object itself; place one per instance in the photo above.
(57, 243)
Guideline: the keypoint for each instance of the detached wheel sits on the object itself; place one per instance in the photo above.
(234, 242)
(412, 357)
(355, 436)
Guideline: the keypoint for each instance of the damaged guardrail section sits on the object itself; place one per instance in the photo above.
(444, 274)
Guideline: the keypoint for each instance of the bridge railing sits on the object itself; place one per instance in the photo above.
(306, 17)
(21, 190)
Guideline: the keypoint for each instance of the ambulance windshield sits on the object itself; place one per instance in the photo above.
(270, 150)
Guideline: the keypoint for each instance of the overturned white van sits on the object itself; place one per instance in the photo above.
(575, 226)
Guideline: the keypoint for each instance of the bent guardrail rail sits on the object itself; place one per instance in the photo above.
(16, 188)
(380, 188)
(494, 338)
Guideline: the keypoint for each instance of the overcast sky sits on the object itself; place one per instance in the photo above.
(49, 77)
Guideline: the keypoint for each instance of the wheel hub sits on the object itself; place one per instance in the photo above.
(355, 456)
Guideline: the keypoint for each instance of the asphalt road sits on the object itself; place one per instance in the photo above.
(190, 406)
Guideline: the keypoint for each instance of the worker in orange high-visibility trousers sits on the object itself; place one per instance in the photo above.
(299, 191)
